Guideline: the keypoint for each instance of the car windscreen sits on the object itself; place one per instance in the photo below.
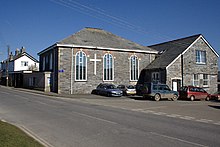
(130, 87)
(111, 87)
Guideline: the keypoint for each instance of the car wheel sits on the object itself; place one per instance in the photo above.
(192, 97)
(175, 97)
(108, 94)
(157, 97)
(207, 98)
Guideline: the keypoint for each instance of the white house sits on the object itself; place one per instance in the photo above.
(13, 67)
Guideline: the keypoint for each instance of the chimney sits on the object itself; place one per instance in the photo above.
(11, 57)
(16, 52)
(22, 49)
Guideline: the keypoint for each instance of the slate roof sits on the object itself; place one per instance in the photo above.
(170, 51)
(15, 57)
(25, 54)
(100, 38)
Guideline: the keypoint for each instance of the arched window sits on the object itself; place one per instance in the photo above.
(134, 68)
(108, 69)
(80, 66)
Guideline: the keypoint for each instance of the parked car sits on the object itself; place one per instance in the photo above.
(216, 96)
(127, 90)
(192, 93)
(107, 90)
(157, 91)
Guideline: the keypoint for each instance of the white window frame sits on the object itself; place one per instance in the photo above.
(196, 80)
(155, 74)
(106, 69)
(135, 72)
(81, 62)
(24, 63)
(200, 57)
(205, 80)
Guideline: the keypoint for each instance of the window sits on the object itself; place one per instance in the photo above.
(200, 57)
(134, 68)
(47, 62)
(44, 62)
(205, 80)
(80, 66)
(155, 77)
(195, 80)
(51, 61)
(32, 81)
(24, 63)
(108, 71)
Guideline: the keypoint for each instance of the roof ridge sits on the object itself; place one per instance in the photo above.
(103, 33)
(175, 40)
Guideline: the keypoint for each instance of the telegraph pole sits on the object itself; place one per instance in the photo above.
(7, 64)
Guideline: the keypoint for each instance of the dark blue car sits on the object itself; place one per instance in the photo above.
(107, 90)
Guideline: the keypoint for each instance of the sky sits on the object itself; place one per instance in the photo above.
(38, 24)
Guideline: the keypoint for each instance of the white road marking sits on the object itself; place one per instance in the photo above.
(137, 109)
(218, 123)
(147, 111)
(173, 115)
(159, 113)
(187, 117)
(157, 107)
(100, 119)
(204, 120)
(178, 139)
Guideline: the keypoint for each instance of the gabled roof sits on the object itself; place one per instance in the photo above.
(15, 57)
(170, 51)
(100, 39)
(25, 54)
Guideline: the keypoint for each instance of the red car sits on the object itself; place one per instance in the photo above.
(216, 96)
(193, 93)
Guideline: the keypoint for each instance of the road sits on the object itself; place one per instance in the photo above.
(82, 122)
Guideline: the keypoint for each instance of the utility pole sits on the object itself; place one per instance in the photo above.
(7, 64)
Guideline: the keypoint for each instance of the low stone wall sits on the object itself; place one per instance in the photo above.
(37, 80)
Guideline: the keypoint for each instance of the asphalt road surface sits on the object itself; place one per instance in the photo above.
(74, 123)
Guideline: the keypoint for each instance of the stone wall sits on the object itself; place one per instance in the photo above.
(67, 83)
(37, 80)
(190, 67)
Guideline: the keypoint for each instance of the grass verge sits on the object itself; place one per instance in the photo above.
(12, 136)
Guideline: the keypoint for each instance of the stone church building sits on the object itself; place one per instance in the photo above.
(91, 56)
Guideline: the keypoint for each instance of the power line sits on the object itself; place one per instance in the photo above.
(102, 15)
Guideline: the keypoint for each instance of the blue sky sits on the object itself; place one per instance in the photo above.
(37, 24)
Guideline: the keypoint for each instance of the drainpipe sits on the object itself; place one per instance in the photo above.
(182, 68)
(71, 74)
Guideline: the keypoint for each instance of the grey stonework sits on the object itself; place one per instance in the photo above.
(175, 67)
(182, 68)
(190, 67)
(121, 69)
